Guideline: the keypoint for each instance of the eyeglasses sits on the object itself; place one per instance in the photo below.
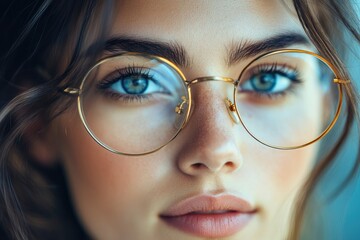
(135, 104)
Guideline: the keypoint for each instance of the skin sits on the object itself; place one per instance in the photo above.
(121, 197)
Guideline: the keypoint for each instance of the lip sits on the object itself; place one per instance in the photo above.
(211, 216)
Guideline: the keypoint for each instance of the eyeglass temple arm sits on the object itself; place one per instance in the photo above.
(341, 81)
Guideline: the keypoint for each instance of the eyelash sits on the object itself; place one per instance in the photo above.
(277, 68)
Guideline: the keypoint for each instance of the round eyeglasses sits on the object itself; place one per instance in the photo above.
(135, 104)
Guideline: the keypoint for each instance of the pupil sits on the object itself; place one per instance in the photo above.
(134, 84)
(264, 82)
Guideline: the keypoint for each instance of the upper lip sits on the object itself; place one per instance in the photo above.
(209, 204)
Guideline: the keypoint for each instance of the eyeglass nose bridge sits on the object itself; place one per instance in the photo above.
(210, 78)
(230, 106)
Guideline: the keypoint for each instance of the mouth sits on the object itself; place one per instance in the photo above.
(210, 216)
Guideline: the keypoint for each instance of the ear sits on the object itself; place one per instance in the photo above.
(40, 143)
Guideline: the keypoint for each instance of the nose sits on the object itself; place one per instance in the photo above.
(211, 139)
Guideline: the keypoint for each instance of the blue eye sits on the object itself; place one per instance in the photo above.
(263, 82)
(135, 84)
(132, 83)
(270, 80)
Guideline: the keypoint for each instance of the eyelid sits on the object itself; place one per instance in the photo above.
(114, 75)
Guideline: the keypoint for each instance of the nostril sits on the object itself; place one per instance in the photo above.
(227, 165)
(230, 164)
(198, 165)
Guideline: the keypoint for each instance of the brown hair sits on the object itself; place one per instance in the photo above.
(34, 201)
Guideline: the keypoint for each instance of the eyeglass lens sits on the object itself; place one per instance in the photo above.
(287, 99)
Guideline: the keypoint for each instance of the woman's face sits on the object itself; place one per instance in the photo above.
(213, 181)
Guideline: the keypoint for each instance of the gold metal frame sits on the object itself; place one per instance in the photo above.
(337, 81)
(232, 107)
(79, 91)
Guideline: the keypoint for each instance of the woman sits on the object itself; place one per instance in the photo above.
(169, 119)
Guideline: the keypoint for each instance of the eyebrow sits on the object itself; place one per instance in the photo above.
(177, 54)
(246, 49)
(172, 51)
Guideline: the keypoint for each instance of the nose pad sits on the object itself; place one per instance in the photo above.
(179, 109)
(181, 112)
(231, 109)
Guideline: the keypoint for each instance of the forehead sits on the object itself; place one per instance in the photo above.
(208, 19)
(203, 25)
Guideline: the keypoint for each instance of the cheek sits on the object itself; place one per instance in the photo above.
(277, 175)
(289, 169)
(103, 185)
(292, 169)
(280, 175)
(275, 178)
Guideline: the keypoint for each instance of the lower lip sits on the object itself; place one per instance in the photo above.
(210, 225)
